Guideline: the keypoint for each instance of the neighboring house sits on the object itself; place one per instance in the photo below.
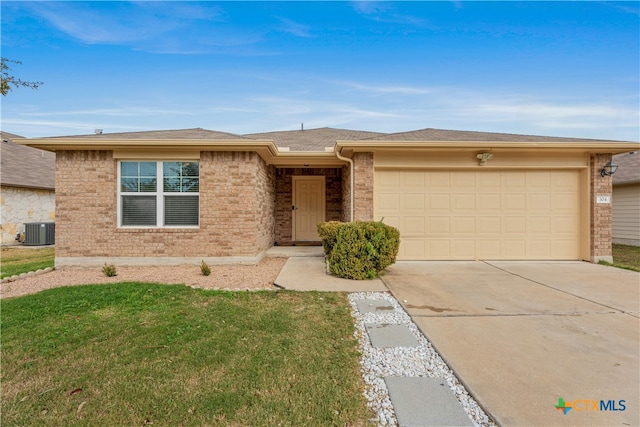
(626, 199)
(183, 196)
(27, 187)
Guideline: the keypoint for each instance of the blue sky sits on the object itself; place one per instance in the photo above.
(543, 68)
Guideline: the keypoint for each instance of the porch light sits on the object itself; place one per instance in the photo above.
(484, 157)
(609, 169)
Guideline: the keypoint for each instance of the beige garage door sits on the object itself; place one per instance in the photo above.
(492, 215)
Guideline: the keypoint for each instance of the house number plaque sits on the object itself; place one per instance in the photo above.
(603, 199)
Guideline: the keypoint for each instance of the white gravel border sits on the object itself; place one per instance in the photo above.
(421, 361)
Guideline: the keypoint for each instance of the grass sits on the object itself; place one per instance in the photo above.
(625, 256)
(20, 260)
(138, 354)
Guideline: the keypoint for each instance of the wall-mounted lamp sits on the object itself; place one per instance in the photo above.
(609, 169)
(483, 157)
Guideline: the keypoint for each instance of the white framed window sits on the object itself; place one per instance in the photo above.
(158, 193)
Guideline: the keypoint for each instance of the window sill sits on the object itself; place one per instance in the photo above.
(157, 229)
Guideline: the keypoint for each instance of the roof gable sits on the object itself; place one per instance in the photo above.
(312, 139)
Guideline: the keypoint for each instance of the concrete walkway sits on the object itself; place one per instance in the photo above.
(522, 335)
(305, 270)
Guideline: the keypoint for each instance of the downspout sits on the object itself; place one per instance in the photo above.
(350, 161)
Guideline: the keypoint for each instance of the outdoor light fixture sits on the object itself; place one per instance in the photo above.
(609, 169)
(483, 157)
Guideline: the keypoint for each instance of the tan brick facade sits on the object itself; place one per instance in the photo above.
(600, 213)
(236, 212)
(363, 174)
(245, 206)
(284, 190)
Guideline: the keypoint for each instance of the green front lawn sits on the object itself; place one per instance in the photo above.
(625, 256)
(22, 260)
(138, 354)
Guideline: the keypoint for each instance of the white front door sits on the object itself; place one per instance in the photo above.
(308, 207)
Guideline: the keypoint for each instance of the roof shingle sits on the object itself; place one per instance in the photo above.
(312, 139)
(628, 168)
(25, 166)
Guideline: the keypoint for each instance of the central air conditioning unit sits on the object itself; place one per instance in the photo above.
(39, 233)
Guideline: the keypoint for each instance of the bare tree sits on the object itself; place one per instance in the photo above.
(8, 80)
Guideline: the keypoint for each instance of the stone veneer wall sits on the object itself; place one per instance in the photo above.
(600, 213)
(235, 213)
(284, 187)
(363, 174)
(21, 205)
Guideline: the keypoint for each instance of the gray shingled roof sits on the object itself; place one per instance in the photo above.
(25, 166)
(312, 139)
(195, 133)
(628, 168)
(468, 136)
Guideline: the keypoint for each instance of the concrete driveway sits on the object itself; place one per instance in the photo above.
(521, 335)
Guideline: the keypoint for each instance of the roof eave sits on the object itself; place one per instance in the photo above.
(350, 147)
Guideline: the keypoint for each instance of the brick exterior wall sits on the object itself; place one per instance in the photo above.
(236, 210)
(363, 174)
(600, 213)
(284, 191)
(346, 193)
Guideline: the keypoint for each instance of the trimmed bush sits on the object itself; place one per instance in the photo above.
(328, 232)
(360, 250)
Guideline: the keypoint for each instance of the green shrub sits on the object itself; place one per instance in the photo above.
(204, 269)
(109, 270)
(328, 232)
(362, 249)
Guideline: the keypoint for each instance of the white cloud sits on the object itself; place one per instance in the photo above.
(295, 28)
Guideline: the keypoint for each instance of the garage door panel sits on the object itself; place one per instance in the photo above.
(388, 201)
(515, 180)
(439, 225)
(464, 202)
(413, 225)
(463, 249)
(438, 248)
(490, 225)
(515, 202)
(539, 224)
(538, 202)
(539, 180)
(514, 249)
(565, 202)
(539, 247)
(413, 249)
(464, 225)
(490, 249)
(413, 202)
(489, 202)
(391, 181)
(463, 180)
(564, 225)
(438, 181)
(485, 214)
(413, 179)
(514, 224)
(440, 202)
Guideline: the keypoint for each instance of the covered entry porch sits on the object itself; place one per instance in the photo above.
(305, 196)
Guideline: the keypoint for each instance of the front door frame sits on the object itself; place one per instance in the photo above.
(295, 179)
